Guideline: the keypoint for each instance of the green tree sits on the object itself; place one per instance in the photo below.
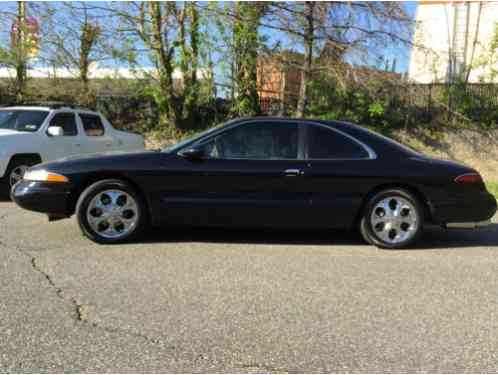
(357, 28)
(169, 31)
(17, 55)
(246, 44)
(74, 40)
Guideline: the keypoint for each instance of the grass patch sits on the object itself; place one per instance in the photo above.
(492, 187)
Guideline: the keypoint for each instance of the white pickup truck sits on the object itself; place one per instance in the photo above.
(33, 134)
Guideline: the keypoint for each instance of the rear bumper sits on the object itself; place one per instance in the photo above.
(472, 210)
(48, 198)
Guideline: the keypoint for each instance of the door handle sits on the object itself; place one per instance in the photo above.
(292, 172)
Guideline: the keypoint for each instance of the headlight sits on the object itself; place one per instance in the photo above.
(44, 176)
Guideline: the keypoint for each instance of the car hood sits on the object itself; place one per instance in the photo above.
(96, 162)
(101, 155)
(12, 140)
(7, 132)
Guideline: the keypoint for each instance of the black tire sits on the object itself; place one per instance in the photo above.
(92, 191)
(369, 234)
(15, 163)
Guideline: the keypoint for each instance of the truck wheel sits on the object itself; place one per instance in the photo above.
(15, 172)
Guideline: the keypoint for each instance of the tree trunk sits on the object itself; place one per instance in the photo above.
(245, 44)
(165, 68)
(88, 38)
(84, 64)
(308, 59)
(21, 75)
(474, 44)
(189, 60)
(194, 44)
(183, 46)
(283, 84)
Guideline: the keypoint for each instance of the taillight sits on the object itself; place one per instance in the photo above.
(469, 178)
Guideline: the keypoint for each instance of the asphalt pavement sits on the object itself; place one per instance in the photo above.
(244, 301)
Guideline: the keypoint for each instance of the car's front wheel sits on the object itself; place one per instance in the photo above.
(111, 211)
(392, 219)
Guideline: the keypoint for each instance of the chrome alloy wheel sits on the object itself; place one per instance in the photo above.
(17, 174)
(394, 220)
(113, 214)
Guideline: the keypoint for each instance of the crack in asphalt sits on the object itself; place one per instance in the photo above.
(80, 316)
(80, 313)
(78, 308)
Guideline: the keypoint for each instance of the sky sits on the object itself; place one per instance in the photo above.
(400, 53)
(403, 56)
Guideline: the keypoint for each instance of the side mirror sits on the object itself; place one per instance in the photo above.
(55, 131)
(192, 153)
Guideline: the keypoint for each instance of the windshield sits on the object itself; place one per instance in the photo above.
(22, 120)
(185, 142)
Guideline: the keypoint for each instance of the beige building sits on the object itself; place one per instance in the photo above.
(453, 39)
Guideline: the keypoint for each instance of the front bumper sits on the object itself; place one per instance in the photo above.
(473, 210)
(3, 165)
(53, 199)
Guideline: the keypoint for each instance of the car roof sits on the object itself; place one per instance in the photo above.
(26, 108)
(46, 108)
(282, 118)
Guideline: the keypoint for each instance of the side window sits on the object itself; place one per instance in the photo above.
(325, 143)
(66, 121)
(257, 141)
(92, 125)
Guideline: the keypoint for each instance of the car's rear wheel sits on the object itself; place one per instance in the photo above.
(111, 211)
(392, 219)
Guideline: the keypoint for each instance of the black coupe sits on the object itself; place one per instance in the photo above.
(263, 172)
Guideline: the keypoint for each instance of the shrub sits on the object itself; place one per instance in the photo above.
(372, 104)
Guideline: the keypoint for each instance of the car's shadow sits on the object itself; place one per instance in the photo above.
(439, 238)
(433, 238)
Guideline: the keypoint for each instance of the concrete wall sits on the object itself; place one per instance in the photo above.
(433, 39)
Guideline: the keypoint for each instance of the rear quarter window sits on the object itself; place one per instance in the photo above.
(324, 143)
(92, 125)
